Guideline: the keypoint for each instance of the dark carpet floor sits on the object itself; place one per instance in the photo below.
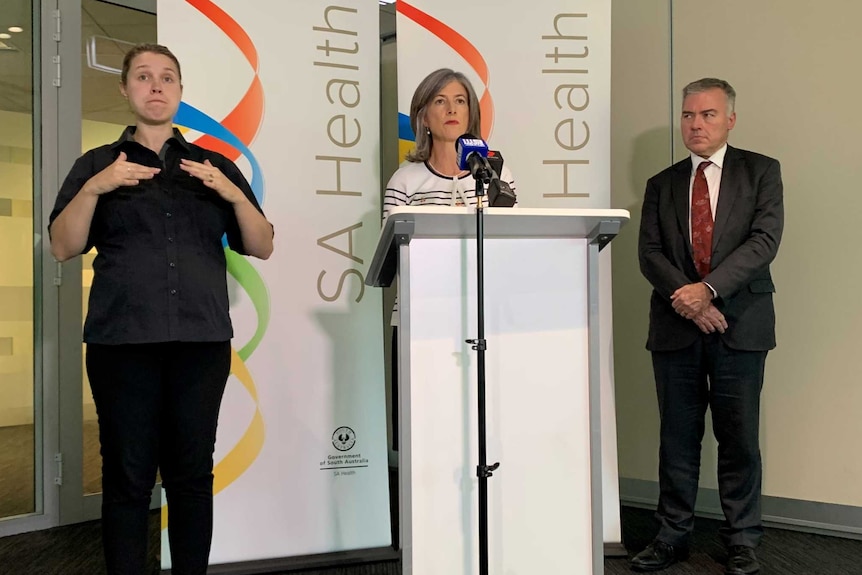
(76, 550)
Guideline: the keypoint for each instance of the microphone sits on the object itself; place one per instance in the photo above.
(471, 152)
(500, 193)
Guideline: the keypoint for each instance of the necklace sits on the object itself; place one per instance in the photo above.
(442, 173)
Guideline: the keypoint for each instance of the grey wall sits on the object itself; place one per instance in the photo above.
(792, 64)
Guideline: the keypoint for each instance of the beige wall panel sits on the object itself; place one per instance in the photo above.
(640, 147)
(16, 373)
(788, 63)
(16, 176)
(16, 242)
(17, 131)
(16, 355)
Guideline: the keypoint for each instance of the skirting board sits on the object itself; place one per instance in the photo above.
(615, 550)
(808, 516)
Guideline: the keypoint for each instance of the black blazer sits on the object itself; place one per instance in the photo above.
(749, 221)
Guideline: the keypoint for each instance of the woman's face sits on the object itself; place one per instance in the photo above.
(153, 88)
(448, 113)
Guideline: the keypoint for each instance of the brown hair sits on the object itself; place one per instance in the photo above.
(144, 48)
(427, 90)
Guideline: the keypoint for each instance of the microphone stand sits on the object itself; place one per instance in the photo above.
(483, 470)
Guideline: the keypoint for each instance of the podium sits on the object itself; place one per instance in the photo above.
(542, 384)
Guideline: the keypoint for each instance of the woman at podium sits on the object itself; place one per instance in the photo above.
(444, 108)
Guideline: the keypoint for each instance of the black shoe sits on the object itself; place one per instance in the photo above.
(741, 561)
(658, 555)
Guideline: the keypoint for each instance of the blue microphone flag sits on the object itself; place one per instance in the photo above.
(468, 145)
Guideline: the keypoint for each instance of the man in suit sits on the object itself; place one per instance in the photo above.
(710, 227)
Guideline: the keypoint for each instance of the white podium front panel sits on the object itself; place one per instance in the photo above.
(536, 322)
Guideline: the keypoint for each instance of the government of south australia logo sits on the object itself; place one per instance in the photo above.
(343, 438)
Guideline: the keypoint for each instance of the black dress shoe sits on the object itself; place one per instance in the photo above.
(741, 561)
(658, 555)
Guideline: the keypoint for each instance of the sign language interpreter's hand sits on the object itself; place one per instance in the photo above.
(214, 179)
(120, 173)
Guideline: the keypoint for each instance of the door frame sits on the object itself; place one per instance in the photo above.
(46, 399)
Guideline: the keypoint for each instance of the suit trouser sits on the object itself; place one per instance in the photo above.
(708, 373)
(158, 408)
(393, 406)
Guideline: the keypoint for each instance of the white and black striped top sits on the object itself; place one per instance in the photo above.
(418, 184)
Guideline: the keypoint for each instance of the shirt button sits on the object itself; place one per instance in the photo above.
(168, 214)
(172, 264)
(173, 292)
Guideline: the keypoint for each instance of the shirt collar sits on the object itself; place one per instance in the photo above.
(128, 135)
(717, 158)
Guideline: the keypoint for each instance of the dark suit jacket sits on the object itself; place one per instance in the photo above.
(749, 220)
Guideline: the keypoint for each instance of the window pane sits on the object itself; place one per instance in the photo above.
(17, 414)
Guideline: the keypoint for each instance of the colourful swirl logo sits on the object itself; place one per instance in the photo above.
(467, 51)
(231, 138)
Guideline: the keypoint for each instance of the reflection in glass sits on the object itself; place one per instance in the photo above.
(17, 413)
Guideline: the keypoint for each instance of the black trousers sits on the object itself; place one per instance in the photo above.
(158, 407)
(729, 382)
(393, 406)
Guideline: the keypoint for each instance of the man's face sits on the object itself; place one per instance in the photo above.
(705, 121)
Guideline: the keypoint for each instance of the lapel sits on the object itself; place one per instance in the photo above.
(731, 176)
(679, 190)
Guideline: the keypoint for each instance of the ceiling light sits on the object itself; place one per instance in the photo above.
(5, 36)
(16, 29)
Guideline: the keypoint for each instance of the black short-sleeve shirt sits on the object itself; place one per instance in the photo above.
(160, 271)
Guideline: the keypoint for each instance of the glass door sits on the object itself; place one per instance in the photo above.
(19, 201)
(107, 31)
(28, 390)
(59, 74)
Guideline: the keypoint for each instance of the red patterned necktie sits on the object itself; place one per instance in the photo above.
(701, 221)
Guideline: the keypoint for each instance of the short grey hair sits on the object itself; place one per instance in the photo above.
(705, 84)
(428, 88)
